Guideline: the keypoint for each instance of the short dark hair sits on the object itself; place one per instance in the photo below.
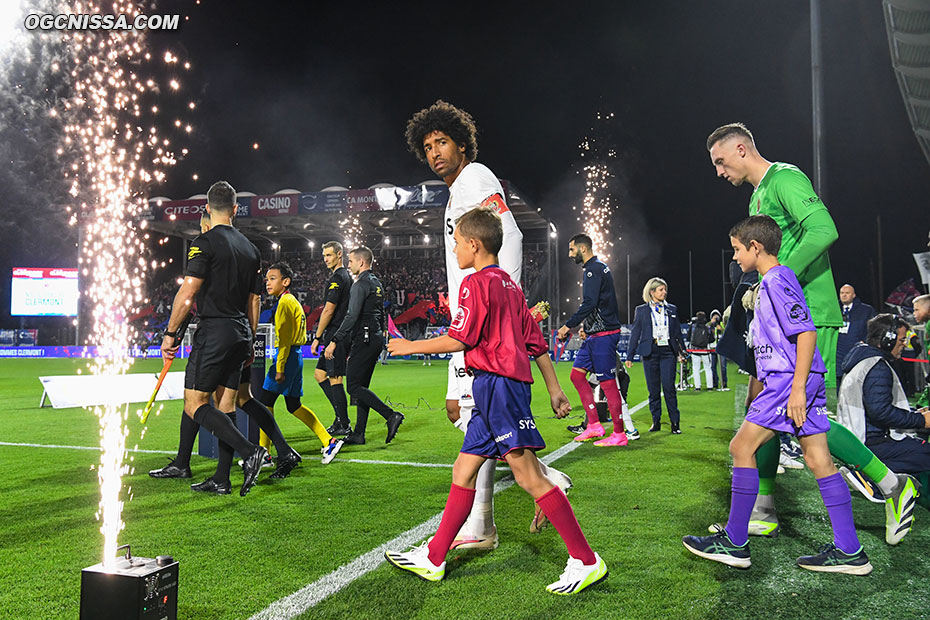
(700, 316)
(284, 269)
(759, 228)
(365, 254)
(335, 245)
(483, 224)
(728, 131)
(445, 117)
(222, 197)
(581, 239)
(880, 326)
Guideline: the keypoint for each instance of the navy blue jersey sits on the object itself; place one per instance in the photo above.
(599, 304)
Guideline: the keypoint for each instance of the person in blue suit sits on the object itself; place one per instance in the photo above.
(656, 337)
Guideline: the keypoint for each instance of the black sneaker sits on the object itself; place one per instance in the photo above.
(829, 559)
(676, 430)
(212, 486)
(286, 464)
(655, 427)
(339, 430)
(719, 548)
(355, 440)
(393, 424)
(250, 468)
(171, 471)
(576, 430)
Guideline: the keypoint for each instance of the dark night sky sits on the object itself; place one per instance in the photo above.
(326, 89)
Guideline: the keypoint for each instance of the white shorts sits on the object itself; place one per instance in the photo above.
(459, 386)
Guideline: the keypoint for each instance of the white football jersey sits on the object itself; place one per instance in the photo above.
(477, 186)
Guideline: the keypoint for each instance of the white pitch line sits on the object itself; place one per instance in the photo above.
(310, 595)
(97, 448)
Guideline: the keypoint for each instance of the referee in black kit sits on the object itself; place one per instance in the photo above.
(363, 330)
(330, 370)
(224, 274)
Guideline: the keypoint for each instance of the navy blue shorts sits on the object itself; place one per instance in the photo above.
(501, 420)
(598, 354)
(293, 384)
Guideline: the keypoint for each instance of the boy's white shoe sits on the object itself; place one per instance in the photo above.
(417, 562)
(576, 576)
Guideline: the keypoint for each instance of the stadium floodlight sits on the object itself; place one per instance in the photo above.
(387, 241)
(425, 238)
(310, 244)
(419, 220)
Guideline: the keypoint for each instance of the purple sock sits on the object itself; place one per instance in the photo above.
(743, 494)
(836, 498)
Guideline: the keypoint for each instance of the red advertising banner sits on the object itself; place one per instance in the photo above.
(361, 200)
(276, 204)
(180, 209)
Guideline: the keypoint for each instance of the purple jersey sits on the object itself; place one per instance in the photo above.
(781, 314)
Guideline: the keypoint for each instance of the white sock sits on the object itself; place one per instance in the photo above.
(889, 483)
(627, 418)
(764, 504)
(481, 518)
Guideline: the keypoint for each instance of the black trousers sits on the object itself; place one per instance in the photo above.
(363, 357)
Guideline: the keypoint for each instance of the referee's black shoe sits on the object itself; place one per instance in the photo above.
(171, 471)
(393, 423)
(339, 430)
(250, 468)
(212, 486)
(286, 464)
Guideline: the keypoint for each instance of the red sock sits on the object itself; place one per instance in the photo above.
(453, 517)
(614, 403)
(559, 512)
(586, 392)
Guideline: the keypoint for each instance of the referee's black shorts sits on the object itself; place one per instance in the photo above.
(335, 367)
(221, 347)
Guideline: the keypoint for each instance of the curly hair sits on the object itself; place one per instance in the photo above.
(445, 117)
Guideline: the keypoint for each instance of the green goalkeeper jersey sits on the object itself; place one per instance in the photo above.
(786, 195)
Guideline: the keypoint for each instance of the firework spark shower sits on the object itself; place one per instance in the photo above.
(596, 207)
(108, 108)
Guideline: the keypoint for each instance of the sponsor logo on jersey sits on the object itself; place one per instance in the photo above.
(194, 251)
(501, 438)
(465, 293)
(333, 285)
(497, 203)
(461, 318)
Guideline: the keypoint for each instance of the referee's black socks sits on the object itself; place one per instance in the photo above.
(262, 416)
(340, 405)
(220, 425)
(189, 430)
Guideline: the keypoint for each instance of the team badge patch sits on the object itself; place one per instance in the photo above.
(497, 203)
(797, 313)
(194, 251)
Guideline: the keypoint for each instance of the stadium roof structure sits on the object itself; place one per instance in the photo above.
(383, 210)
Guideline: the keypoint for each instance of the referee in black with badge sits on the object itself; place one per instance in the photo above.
(330, 371)
(224, 275)
(363, 329)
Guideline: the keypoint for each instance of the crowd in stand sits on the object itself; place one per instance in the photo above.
(408, 281)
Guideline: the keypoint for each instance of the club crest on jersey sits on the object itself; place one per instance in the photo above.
(465, 293)
(497, 203)
(461, 318)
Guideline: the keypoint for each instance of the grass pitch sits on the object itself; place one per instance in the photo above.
(239, 555)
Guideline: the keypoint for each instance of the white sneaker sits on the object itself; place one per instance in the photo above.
(576, 576)
(330, 451)
(789, 463)
(417, 562)
(467, 540)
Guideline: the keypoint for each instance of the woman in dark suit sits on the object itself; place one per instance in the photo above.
(656, 337)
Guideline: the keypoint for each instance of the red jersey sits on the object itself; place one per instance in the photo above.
(495, 325)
